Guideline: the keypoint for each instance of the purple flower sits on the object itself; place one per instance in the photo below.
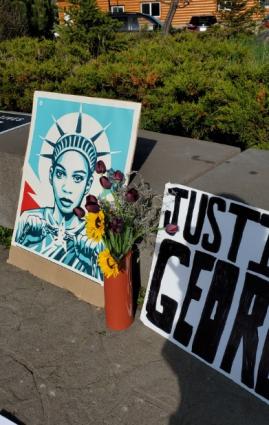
(171, 229)
(94, 208)
(92, 204)
(118, 175)
(116, 224)
(91, 199)
(105, 182)
(100, 167)
(79, 212)
(131, 195)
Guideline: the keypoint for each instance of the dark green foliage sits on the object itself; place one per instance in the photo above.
(141, 296)
(42, 16)
(27, 64)
(14, 21)
(197, 85)
(5, 236)
(89, 26)
(192, 86)
(35, 18)
(236, 15)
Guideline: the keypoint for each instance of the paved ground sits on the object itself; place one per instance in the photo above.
(60, 366)
(58, 363)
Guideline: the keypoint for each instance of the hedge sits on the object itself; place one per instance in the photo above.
(195, 85)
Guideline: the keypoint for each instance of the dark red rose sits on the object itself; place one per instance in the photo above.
(91, 199)
(116, 224)
(94, 208)
(171, 229)
(92, 204)
(100, 167)
(131, 195)
(79, 212)
(118, 175)
(105, 182)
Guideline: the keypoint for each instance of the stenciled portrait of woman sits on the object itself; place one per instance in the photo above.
(68, 135)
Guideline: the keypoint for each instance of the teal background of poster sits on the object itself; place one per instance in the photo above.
(118, 133)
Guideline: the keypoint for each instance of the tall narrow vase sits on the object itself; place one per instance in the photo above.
(119, 297)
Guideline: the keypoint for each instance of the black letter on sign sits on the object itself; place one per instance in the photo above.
(202, 261)
(262, 385)
(164, 320)
(218, 302)
(243, 215)
(262, 267)
(213, 246)
(195, 237)
(178, 193)
(256, 292)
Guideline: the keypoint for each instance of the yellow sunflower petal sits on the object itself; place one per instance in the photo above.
(95, 225)
(108, 264)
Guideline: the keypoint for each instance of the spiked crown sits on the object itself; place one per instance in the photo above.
(75, 142)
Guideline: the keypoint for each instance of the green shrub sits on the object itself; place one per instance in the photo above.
(34, 18)
(27, 64)
(14, 22)
(5, 236)
(195, 85)
(89, 26)
(237, 16)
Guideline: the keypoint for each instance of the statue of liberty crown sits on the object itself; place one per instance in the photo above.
(76, 142)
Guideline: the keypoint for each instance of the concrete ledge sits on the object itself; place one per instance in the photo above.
(177, 159)
(160, 158)
(243, 178)
(15, 141)
(10, 180)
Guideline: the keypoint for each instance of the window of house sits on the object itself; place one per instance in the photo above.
(153, 9)
(264, 3)
(117, 9)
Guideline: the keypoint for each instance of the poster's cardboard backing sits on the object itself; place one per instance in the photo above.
(84, 288)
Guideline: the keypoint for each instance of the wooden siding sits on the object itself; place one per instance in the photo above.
(183, 13)
(182, 16)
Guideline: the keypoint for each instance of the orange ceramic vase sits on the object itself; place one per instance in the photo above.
(119, 297)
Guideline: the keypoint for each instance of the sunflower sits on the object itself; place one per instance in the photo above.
(95, 225)
(108, 264)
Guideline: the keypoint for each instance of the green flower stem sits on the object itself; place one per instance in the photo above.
(142, 233)
(116, 200)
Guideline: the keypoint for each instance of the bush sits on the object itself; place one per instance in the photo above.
(237, 15)
(5, 236)
(27, 64)
(42, 17)
(89, 26)
(34, 18)
(195, 85)
(14, 22)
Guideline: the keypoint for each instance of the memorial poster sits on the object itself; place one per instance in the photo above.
(68, 135)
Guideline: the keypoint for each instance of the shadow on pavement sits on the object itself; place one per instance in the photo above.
(136, 278)
(209, 398)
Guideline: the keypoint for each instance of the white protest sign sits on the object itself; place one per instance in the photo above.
(5, 421)
(208, 290)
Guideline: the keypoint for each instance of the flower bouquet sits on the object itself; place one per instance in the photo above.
(121, 218)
